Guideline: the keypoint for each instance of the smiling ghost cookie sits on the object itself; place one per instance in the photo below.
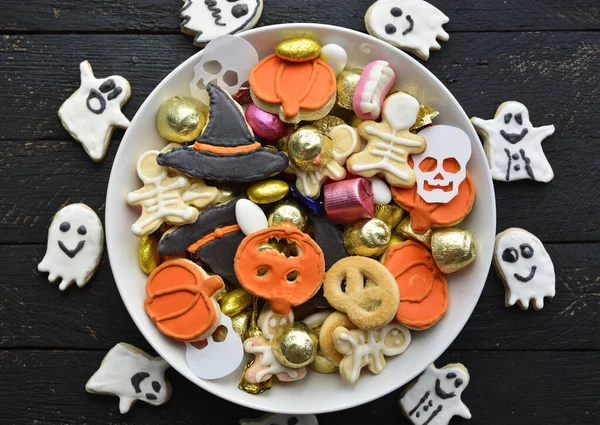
(75, 245)
(525, 267)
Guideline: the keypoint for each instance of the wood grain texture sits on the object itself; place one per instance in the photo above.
(547, 388)
(163, 16)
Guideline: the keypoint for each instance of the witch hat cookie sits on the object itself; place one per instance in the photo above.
(226, 151)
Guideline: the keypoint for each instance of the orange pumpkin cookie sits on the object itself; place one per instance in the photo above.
(423, 315)
(424, 216)
(179, 300)
(295, 90)
(284, 281)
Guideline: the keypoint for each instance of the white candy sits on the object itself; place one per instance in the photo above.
(335, 56)
(381, 191)
(250, 217)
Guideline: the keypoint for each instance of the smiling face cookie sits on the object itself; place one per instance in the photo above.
(75, 243)
(412, 25)
(525, 268)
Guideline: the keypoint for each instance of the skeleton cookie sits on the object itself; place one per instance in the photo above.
(390, 142)
(160, 197)
(75, 244)
(131, 374)
(525, 268)
(266, 364)
(94, 110)
(412, 25)
(513, 145)
(434, 398)
(208, 19)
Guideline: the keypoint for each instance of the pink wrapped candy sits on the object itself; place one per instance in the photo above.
(349, 200)
(266, 125)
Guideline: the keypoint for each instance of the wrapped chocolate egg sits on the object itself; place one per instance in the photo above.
(406, 230)
(453, 249)
(389, 214)
(301, 49)
(264, 124)
(148, 256)
(241, 321)
(235, 302)
(267, 191)
(288, 213)
(325, 124)
(179, 120)
(294, 345)
(309, 149)
(346, 86)
(369, 238)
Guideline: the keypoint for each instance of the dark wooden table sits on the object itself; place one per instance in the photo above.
(526, 367)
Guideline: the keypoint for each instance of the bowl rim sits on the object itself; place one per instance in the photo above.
(113, 251)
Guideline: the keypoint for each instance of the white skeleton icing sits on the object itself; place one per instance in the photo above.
(160, 197)
(513, 145)
(444, 144)
(269, 321)
(94, 110)
(435, 397)
(217, 66)
(131, 374)
(75, 244)
(281, 419)
(266, 364)
(413, 25)
(526, 268)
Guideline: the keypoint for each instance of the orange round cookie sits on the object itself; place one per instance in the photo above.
(423, 315)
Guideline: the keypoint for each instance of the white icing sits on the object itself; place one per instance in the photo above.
(524, 157)
(281, 419)
(381, 191)
(443, 142)
(317, 319)
(120, 365)
(520, 263)
(416, 24)
(93, 129)
(250, 217)
(379, 76)
(269, 321)
(269, 361)
(335, 56)
(85, 249)
(422, 404)
(218, 64)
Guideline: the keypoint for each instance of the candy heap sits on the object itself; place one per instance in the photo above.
(310, 215)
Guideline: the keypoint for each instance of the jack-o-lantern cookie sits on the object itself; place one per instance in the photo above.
(284, 281)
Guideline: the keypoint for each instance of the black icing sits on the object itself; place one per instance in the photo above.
(526, 250)
(156, 386)
(137, 379)
(423, 399)
(510, 255)
(514, 138)
(507, 118)
(390, 29)
(82, 230)
(216, 12)
(115, 93)
(71, 253)
(433, 415)
(519, 118)
(527, 278)
(95, 94)
(458, 383)
(239, 10)
(441, 393)
(411, 25)
(451, 375)
(107, 86)
(396, 12)
(64, 226)
(151, 396)
(527, 164)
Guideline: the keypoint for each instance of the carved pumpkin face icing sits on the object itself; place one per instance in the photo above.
(285, 281)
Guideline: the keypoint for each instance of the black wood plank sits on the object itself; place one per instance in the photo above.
(34, 313)
(505, 387)
(163, 16)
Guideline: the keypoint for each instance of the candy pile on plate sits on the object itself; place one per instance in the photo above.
(304, 206)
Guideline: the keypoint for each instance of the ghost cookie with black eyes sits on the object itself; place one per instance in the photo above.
(75, 244)
(513, 145)
(92, 113)
(525, 268)
(209, 19)
(130, 374)
(412, 25)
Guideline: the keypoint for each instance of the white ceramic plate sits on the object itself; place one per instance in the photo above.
(317, 393)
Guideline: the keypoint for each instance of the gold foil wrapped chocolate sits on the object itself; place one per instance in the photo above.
(406, 230)
(178, 120)
(253, 328)
(288, 213)
(346, 86)
(294, 345)
(425, 117)
(396, 239)
(241, 321)
(325, 124)
(369, 238)
(267, 191)
(452, 249)
(309, 149)
(251, 388)
(301, 49)
(235, 302)
(389, 214)
(148, 256)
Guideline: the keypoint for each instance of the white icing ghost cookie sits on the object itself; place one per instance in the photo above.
(75, 244)
(94, 110)
(280, 419)
(130, 374)
(435, 396)
(412, 25)
(525, 268)
(208, 19)
(513, 145)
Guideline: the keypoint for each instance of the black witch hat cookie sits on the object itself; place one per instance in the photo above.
(227, 150)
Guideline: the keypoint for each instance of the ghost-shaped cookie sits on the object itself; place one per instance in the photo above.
(75, 244)
(525, 268)
(209, 19)
(130, 374)
(412, 25)
(281, 419)
(513, 145)
(91, 114)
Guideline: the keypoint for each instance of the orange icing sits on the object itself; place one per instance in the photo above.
(226, 149)
(179, 299)
(217, 234)
(412, 266)
(424, 215)
(425, 314)
(309, 266)
(295, 85)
